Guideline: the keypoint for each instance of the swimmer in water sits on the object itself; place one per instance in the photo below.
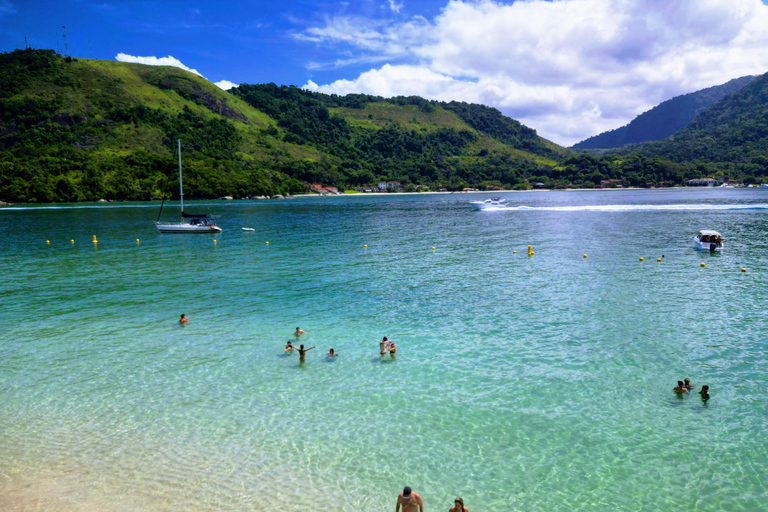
(289, 347)
(383, 346)
(332, 354)
(303, 351)
(392, 348)
(299, 332)
(183, 319)
(704, 393)
(688, 385)
(680, 389)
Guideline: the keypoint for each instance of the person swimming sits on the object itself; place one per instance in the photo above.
(289, 347)
(680, 389)
(704, 393)
(332, 354)
(183, 319)
(391, 348)
(688, 384)
(299, 332)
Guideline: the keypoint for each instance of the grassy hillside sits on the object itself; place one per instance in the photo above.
(79, 129)
(664, 119)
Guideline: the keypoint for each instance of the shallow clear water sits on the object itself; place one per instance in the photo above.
(521, 383)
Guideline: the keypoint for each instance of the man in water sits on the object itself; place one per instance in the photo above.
(688, 385)
(183, 319)
(680, 389)
(289, 347)
(410, 501)
(303, 351)
(299, 332)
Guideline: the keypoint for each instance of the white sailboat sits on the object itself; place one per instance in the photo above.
(190, 222)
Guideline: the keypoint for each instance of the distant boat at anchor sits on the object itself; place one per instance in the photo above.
(190, 222)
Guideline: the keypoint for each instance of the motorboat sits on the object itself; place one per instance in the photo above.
(489, 204)
(190, 222)
(708, 240)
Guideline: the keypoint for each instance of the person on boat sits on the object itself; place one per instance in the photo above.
(458, 506)
(183, 319)
(383, 345)
(299, 332)
(303, 351)
(332, 354)
(409, 501)
(680, 389)
(704, 393)
(289, 347)
(391, 347)
(688, 384)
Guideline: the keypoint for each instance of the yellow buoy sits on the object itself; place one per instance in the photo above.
(641, 258)
(72, 241)
(702, 263)
(214, 241)
(514, 252)
(47, 241)
(743, 269)
(365, 246)
(532, 253)
(267, 243)
(585, 255)
(137, 240)
(433, 248)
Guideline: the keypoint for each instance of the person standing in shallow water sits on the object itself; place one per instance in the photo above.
(704, 393)
(680, 389)
(409, 501)
(299, 332)
(383, 346)
(183, 319)
(303, 351)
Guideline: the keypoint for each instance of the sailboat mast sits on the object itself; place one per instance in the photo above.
(181, 189)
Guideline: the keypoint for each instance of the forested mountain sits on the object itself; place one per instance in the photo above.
(79, 129)
(664, 119)
(733, 134)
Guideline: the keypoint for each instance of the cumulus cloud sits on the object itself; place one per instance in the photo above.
(155, 61)
(170, 61)
(225, 84)
(569, 68)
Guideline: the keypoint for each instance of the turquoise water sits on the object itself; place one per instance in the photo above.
(521, 383)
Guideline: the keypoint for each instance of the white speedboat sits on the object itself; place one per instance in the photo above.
(708, 240)
(190, 222)
(489, 204)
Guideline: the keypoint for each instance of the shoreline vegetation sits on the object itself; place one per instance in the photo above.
(377, 194)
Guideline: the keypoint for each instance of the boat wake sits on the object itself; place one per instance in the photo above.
(634, 207)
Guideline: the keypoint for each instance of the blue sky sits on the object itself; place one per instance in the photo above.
(567, 68)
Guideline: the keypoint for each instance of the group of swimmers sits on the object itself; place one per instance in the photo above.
(684, 387)
(385, 346)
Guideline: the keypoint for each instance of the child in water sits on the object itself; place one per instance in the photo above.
(704, 393)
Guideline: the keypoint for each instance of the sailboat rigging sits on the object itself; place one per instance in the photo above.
(198, 222)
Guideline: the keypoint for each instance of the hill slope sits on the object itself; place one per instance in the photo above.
(79, 129)
(664, 119)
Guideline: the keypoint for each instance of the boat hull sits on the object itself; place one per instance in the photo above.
(482, 205)
(706, 246)
(183, 227)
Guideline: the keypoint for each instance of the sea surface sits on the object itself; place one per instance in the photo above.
(521, 383)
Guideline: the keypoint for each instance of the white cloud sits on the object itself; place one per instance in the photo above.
(394, 6)
(225, 84)
(155, 61)
(569, 68)
(170, 61)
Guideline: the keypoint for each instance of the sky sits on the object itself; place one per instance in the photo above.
(569, 69)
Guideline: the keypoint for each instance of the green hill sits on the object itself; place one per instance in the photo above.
(664, 119)
(79, 129)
